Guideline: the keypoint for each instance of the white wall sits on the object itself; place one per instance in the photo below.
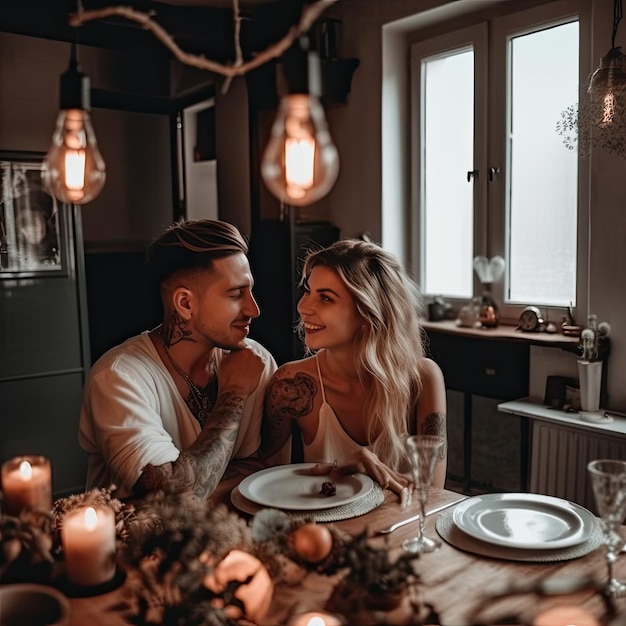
(200, 176)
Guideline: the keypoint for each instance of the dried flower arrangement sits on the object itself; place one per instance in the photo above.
(31, 542)
(124, 513)
(593, 345)
(374, 581)
(172, 547)
(173, 543)
(27, 551)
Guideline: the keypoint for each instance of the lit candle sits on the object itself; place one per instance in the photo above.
(27, 483)
(88, 537)
(316, 619)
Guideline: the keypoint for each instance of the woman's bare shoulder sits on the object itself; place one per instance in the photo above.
(293, 368)
(430, 371)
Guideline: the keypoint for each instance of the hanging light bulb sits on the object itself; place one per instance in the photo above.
(607, 88)
(300, 163)
(73, 170)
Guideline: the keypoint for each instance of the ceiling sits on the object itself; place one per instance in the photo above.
(217, 4)
(198, 26)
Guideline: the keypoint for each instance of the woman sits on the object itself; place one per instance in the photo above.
(368, 384)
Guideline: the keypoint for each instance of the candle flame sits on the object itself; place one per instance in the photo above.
(91, 518)
(316, 621)
(26, 471)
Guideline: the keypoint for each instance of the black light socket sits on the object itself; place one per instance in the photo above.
(75, 87)
(302, 69)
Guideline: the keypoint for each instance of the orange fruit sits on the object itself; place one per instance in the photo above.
(312, 542)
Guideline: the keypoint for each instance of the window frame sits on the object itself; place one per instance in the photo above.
(490, 39)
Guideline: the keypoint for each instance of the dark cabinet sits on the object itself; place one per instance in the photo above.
(44, 357)
(494, 369)
(490, 368)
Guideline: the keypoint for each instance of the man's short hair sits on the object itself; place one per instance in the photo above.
(192, 244)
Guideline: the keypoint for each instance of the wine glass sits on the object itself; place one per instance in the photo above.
(423, 452)
(608, 480)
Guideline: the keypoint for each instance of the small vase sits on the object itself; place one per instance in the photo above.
(590, 381)
(488, 314)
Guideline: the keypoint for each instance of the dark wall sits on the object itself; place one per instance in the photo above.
(121, 299)
(277, 251)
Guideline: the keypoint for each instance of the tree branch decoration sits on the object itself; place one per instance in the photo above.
(239, 67)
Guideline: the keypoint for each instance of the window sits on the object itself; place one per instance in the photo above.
(492, 175)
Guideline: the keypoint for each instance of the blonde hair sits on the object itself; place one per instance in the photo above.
(388, 351)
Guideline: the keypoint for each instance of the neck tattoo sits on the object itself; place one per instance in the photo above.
(200, 401)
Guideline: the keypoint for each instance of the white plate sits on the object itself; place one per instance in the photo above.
(524, 520)
(292, 487)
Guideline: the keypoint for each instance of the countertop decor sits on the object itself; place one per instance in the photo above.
(593, 346)
(593, 349)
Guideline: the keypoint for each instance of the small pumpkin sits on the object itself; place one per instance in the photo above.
(312, 542)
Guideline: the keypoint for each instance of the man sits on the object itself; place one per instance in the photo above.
(169, 408)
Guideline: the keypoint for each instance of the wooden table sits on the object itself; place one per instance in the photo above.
(453, 581)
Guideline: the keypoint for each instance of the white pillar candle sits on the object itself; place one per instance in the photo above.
(26, 483)
(88, 538)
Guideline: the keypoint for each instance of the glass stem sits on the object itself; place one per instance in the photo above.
(423, 497)
(611, 557)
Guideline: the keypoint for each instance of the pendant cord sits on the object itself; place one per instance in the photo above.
(617, 16)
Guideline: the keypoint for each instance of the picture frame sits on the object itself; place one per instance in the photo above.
(33, 237)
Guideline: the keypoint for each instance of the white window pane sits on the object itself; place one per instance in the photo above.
(447, 119)
(543, 174)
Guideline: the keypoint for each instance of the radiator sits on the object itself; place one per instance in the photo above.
(559, 457)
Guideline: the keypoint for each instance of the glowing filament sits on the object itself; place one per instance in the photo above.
(608, 109)
(75, 169)
(299, 160)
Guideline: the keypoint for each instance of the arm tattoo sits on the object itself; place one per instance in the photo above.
(242, 468)
(291, 397)
(200, 468)
(175, 330)
(435, 424)
(286, 399)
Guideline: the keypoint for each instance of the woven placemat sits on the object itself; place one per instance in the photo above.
(366, 503)
(451, 533)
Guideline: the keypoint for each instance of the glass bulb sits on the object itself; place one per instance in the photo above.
(300, 164)
(607, 89)
(73, 170)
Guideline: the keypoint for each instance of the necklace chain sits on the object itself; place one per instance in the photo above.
(199, 401)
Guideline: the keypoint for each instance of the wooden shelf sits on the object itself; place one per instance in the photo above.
(533, 409)
(504, 332)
